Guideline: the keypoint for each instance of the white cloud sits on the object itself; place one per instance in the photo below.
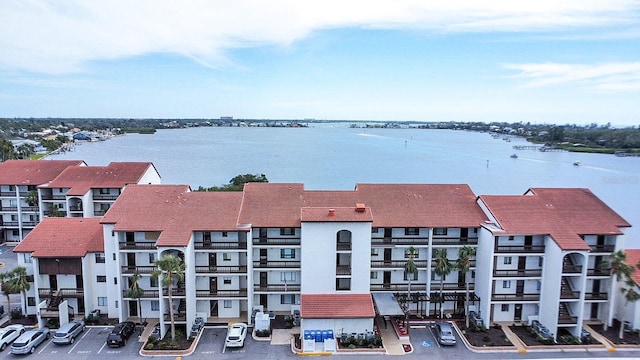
(61, 36)
(609, 77)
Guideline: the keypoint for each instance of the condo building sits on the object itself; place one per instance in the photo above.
(284, 249)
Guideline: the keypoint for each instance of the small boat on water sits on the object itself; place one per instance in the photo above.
(577, 163)
(514, 156)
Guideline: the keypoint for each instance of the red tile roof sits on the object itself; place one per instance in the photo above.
(336, 306)
(116, 175)
(63, 237)
(324, 214)
(398, 205)
(33, 172)
(173, 210)
(562, 213)
(633, 259)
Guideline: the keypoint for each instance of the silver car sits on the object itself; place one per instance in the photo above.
(444, 334)
(27, 342)
(67, 333)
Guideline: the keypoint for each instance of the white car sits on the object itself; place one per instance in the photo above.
(10, 333)
(236, 334)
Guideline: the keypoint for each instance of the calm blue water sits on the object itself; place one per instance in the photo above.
(338, 157)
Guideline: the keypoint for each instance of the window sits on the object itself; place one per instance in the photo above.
(288, 276)
(31, 301)
(287, 253)
(225, 234)
(226, 280)
(540, 261)
(374, 275)
(153, 282)
(435, 276)
(100, 258)
(155, 305)
(101, 278)
(287, 299)
(287, 231)
(440, 231)
(152, 258)
(228, 304)
(375, 251)
(114, 256)
(27, 258)
(374, 230)
(226, 257)
(115, 281)
(473, 274)
(343, 284)
(416, 253)
(511, 238)
(504, 307)
(117, 304)
(104, 191)
(506, 284)
(16, 232)
(102, 301)
(507, 260)
(411, 231)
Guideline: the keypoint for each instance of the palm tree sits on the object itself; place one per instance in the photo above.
(410, 269)
(20, 284)
(463, 264)
(136, 292)
(622, 272)
(442, 268)
(171, 268)
(631, 295)
(5, 278)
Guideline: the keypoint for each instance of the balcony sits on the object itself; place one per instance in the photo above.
(571, 269)
(596, 296)
(278, 288)
(398, 287)
(174, 292)
(221, 293)
(518, 273)
(263, 241)
(221, 269)
(146, 294)
(515, 297)
(29, 208)
(276, 264)
(568, 295)
(519, 249)
(343, 246)
(454, 241)
(138, 269)
(387, 241)
(567, 320)
(64, 293)
(9, 208)
(602, 248)
(105, 196)
(343, 270)
(598, 272)
(178, 317)
(435, 286)
(137, 246)
(399, 264)
(215, 245)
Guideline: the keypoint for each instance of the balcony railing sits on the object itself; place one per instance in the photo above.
(276, 241)
(596, 296)
(146, 294)
(64, 292)
(138, 269)
(221, 269)
(277, 264)
(29, 208)
(8, 193)
(215, 245)
(602, 248)
(396, 263)
(399, 241)
(176, 316)
(137, 246)
(277, 288)
(519, 249)
(398, 287)
(515, 297)
(568, 294)
(571, 269)
(9, 208)
(435, 286)
(343, 270)
(454, 241)
(598, 272)
(104, 196)
(567, 319)
(174, 292)
(221, 293)
(518, 273)
(344, 246)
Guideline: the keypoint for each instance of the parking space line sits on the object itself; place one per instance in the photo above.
(102, 347)
(434, 336)
(45, 346)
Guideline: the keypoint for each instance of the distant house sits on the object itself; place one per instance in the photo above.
(81, 136)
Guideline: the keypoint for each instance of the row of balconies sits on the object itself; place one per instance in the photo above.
(15, 224)
(22, 208)
(565, 295)
(424, 241)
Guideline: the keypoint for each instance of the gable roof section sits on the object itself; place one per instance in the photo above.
(398, 205)
(633, 259)
(63, 237)
(562, 213)
(33, 172)
(80, 180)
(173, 210)
(342, 214)
(336, 306)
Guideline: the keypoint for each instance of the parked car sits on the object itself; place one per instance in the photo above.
(236, 334)
(10, 333)
(444, 334)
(29, 341)
(67, 333)
(120, 333)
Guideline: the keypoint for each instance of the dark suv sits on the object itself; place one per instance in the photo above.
(120, 333)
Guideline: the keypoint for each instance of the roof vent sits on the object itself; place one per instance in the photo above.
(360, 207)
(332, 212)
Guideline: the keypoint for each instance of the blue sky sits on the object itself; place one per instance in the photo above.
(573, 61)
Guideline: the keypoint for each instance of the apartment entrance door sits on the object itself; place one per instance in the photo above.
(387, 256)
(133, 308)
(53, 282)
(517, 314)
(386, 279)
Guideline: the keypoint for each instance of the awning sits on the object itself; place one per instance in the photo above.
(387, 304)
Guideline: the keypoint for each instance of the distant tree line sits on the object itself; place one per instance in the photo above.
(237, 183)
